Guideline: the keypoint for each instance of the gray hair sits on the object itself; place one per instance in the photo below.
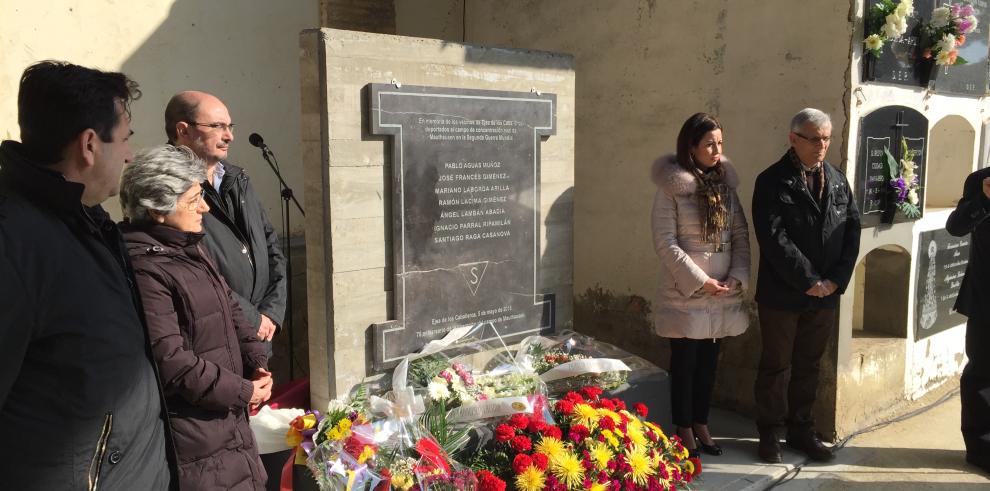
(810, 115)
(156, 178)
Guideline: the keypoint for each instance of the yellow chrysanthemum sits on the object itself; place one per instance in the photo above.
(598, 487)
(366, 454)
(531, 479)
(402, 481)
(551, 447)
(688, 466)
(600, 455)
(635, 434)
(610, 438)
(640, 467)
(605, 413)
(569, 470)
(585, 415)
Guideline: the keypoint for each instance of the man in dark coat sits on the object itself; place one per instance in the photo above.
(973, 301)
(80, 399)
(808, 228)
(239, 236)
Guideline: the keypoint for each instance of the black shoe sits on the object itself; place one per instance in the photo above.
(712, 449)
(770, 448)
(808, 443)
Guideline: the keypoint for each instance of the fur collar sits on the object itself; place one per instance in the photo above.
(676, 181)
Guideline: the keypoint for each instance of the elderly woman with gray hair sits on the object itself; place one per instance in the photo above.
(212, 365)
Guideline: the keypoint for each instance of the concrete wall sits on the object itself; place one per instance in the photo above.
(348, 178)
(643, 67)
(243, 51)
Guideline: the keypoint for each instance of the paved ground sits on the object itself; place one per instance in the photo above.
(921, 452)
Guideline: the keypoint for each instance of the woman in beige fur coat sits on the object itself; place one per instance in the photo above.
(702, 239)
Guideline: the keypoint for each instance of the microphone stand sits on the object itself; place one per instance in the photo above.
(286, 193)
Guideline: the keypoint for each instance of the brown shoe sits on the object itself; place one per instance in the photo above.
(770, 448)
(808, 443)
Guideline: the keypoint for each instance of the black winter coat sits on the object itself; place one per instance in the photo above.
(206, 353)
(801, 240)
(80, 402)
(244, 246)
(969, 217)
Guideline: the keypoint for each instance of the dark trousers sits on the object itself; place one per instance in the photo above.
(692, 377)
(974, 391)
(793, 345)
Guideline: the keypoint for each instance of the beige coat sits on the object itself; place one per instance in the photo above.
(682, 309)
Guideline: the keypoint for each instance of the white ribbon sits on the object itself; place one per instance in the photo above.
(491, 408)
(581, 367)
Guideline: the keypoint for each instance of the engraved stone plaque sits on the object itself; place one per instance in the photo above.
(884, 128)
(941, 265)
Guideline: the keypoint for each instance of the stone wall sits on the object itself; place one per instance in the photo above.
(348, 178)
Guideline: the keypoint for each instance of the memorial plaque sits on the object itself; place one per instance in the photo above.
(466, 212)
(941, 267)
(898, 63)
(971, 78)
(885, 128)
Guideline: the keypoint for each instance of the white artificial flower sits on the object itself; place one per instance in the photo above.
(940, 17)
(889, 30)
(905, 8)
(913, 196)
(894, 27)
(947, 43)
(907, 169)
(873, 42)
(438, 391)
(943, 57)
(973, 24)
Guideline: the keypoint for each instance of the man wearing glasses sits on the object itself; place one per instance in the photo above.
(807, 225)
(239, 236)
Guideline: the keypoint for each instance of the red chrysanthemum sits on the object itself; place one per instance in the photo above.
(641, 409)
(606, 404)
(697, 465)
(521, 463)
(489, 482)
(521, 444)
(541, 461)
(619, 404)
(519, 421)
(536, 426)
(591, 393)
(606, 423)
(504, 432)
(552, 432)
(565, 406)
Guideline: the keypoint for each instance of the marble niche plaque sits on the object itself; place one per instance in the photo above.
(898, 63)
(884, 128)
(970, 79)
(465, 212)
(942, 261)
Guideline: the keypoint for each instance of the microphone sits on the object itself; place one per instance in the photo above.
(256, 140)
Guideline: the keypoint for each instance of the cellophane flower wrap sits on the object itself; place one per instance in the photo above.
(596, 444)
(389, 450)
(569, 361)
(469, 379)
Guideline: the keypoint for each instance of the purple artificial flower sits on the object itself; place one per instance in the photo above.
(964, 25)
(954, 9)
(966, 10)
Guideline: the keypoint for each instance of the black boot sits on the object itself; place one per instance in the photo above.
(807, 442)
(769, 447)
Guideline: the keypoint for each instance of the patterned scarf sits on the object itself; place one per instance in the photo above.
(814, 178)
(712, 197)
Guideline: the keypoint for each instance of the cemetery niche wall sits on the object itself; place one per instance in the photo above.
(891, 129)
(465, 236)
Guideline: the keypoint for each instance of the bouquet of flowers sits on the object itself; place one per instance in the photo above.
(570, 361)
(946, 32)
(904, 182)
(383, 448)
(886, 21)
(597, 444)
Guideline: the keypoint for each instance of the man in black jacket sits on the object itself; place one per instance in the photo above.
(239, 236)
(80, 399)
(808, 227)
(973, 301)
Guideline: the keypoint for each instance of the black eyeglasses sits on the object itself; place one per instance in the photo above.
(216, 126)
(818, 140)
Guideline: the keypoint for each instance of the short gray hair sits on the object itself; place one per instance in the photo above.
(818, 118)
(155, 180)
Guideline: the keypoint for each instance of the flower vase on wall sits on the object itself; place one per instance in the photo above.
(869, 67)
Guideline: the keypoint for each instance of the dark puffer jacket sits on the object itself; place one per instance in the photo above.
(244, 246)
(80, 405)
(801, 240)
(206, 353)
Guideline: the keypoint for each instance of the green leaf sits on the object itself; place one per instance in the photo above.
(960, 61)
(893, 168)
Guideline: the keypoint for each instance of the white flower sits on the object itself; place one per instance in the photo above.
(943, 58)
(905, 8)
(873, 42)
(913, 196)
(907, 169)
(941, 17)
(972, 24)
(438, 391)
(894, 27)
(947, 43)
